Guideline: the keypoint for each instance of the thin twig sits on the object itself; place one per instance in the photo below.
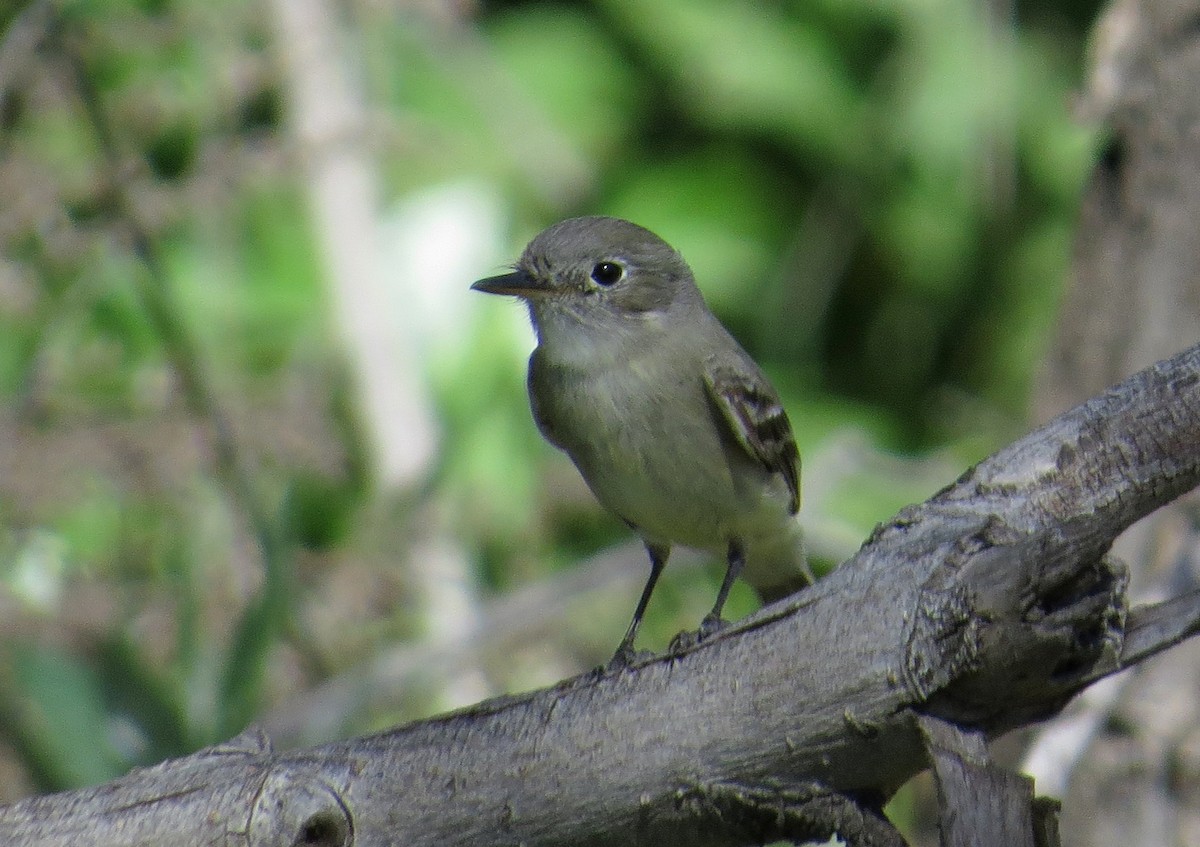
(264, 619)
(19, 42)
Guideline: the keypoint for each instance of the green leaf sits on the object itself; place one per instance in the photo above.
(154, 703)
(58, 719)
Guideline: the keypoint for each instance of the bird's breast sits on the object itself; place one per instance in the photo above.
(647, 441)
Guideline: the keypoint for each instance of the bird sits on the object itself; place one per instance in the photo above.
(671, 423)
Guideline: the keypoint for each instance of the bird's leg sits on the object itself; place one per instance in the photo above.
(625, 653)
(736, 558)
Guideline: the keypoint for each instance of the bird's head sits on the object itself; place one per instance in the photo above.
(595, 275)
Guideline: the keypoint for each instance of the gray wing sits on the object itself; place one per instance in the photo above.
(540, 400)
(757, 420)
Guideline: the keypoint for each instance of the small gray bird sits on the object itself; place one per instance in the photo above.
(670, 422)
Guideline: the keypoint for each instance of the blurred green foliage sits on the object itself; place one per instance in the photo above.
(877, 197)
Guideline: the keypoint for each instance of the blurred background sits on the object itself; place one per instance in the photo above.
(264, 458)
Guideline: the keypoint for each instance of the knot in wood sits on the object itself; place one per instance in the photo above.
(942, 641)
(299, 809)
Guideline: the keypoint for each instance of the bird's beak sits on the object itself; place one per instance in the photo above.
(515, 284)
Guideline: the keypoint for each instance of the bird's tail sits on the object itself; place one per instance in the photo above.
(778, 567)
(779, 590)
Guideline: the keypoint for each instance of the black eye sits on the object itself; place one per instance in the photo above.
(607, 273)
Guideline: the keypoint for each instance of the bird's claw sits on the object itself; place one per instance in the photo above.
(625, 657)
(686, 640)
(711, 625)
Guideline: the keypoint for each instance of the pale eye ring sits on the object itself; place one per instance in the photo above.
(607, 273)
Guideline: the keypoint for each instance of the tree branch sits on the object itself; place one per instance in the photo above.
(989, 606)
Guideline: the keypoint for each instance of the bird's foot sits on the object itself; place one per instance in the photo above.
(683, 642)
(625, 657)
(711, 625)
(686, 640)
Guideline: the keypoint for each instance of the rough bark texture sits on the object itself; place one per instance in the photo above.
(1134, 298)
(975, 796)
(988, 605)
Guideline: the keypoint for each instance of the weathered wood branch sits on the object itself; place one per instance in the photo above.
(989, 606)
(978, 802)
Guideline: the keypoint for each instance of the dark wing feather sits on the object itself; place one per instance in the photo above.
(757, 421)
(538, 399)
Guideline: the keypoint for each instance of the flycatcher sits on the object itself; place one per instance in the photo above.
(673, 426)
